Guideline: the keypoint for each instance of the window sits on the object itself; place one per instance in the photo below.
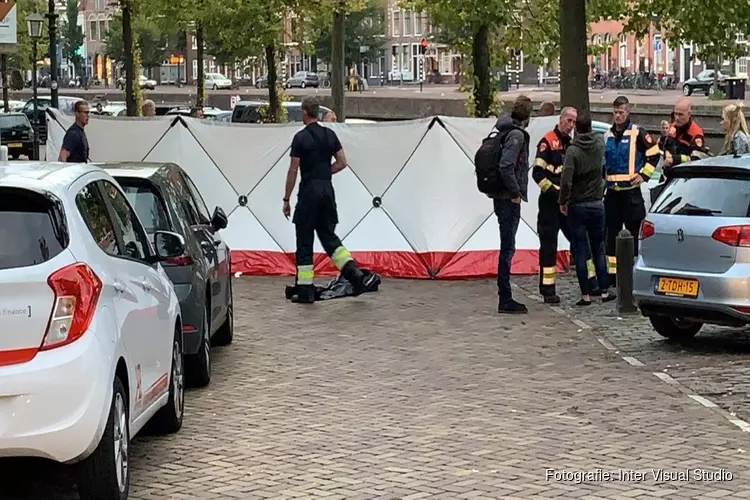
(202, 208)
(418, 16)
(11, 121)
(212, 68)
(742, 66)
(103, 29)
(186, 202)
(396, 26)
(193, 42)
(91, 205)
(407, 22)
(126, 223)
(92, 30)
(32, 228)
(195, 68)
(148, 204)
(705, 196)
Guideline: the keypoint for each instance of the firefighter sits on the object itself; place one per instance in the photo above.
(312, 150)
(686, 141)
(630, 158)
(546, 173)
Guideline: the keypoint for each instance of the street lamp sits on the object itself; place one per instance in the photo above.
(34, 24)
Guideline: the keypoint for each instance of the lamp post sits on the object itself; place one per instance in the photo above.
(34, 23)
(52, 26)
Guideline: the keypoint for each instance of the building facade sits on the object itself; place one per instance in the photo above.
(97, 15)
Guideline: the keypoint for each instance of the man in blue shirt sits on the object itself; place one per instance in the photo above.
(75, 146)
(630, 159)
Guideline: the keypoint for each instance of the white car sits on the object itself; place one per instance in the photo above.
(217, 81)
(90, 343)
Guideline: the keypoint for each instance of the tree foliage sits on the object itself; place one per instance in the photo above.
(363, 28)
(151, 40)
(72, 35)
(21, 59)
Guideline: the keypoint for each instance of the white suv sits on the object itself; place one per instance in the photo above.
(90, 332)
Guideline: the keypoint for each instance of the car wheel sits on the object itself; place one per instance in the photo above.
(168, 419)
(303, 85)
(686, 90)
(675, 328)
(257, 85)
(225, 334)
(199, 365)
(106, 472)
(709, 89)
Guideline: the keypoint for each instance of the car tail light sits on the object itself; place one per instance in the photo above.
(182, 260)
(647, 229)
(735, 236)
(77, 289)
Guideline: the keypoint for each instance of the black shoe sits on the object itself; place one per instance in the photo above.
(353, 275)
(609, 297)
(305, 295)
(583, 303)
(512, 307)
(551, 299)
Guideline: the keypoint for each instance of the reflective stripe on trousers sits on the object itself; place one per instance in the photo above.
(305, 275)
(341, 257)
(611, 264)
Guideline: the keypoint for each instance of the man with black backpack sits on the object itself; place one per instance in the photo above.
(502, 168)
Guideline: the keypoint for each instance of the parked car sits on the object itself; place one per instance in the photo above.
(208, 111)
(166, 199)
(261, 82)
(17, 134)
(216, 81)
(695, 249)
(108, 108)
(704, 81)
(224, 116)
(303, 79)
(43, 102)
(143, 81)
(91, 346)
(248, 111)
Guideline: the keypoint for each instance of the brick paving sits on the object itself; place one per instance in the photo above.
(422, 391)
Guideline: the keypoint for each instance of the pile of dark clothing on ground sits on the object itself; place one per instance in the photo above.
(339, 287)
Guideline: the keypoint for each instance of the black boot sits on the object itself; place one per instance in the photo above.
(305, 294)
(353, 275)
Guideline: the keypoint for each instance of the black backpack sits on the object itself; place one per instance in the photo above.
(487, 163)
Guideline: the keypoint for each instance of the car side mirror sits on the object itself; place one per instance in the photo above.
(168, 245)
(219, 220)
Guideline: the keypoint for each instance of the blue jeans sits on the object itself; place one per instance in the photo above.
(508, 217)
(587, 223)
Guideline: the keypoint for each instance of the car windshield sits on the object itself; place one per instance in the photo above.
(31, 228)
(217, 76)
(12, 121)
(300, 74)
(147, 203)
(705, 196)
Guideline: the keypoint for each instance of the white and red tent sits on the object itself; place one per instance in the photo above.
(408, 205)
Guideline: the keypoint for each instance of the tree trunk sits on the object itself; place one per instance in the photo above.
(6, 80)
(480, 61)
(574, 71)
(131, 106)
(338, 69)
(200, 95)
(273, 94)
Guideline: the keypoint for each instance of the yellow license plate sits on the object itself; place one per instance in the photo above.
(15, 145)
(678, 287)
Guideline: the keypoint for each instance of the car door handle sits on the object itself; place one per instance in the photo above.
(119, 287)
(146, 285)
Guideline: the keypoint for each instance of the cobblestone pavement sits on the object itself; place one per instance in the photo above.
(422, 391)
(715, 365)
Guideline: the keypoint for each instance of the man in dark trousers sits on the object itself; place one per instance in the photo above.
(75, 146)
(630, 158)
(312, 150)
(514, 172)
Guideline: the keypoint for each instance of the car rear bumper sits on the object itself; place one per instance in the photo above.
(722, 298)
(192, 307)
(56, 405)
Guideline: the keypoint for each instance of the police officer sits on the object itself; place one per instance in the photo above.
(630, 158)
(685, 141)
(313, 147)
(546, 173)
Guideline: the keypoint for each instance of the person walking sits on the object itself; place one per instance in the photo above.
(75, 146)
(736, 136)
(630, 159)
(581, 192)
(312, 150)
(514, 174)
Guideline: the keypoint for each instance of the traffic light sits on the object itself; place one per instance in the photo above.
(79, 51)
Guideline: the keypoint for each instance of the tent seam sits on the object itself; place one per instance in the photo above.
(267, 172)
(160, 139)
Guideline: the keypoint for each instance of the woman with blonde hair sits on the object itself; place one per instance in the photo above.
(737, 138)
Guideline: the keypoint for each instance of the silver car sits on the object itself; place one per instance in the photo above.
(694, 262)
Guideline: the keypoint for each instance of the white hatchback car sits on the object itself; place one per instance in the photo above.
(90, 332)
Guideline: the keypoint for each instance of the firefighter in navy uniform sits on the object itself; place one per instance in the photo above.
(546, 173)
(312, 150)
(685, 141)
(630, 158)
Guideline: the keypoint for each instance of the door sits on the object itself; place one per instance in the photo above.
(687, 65)
(215, 250)
(148, 281)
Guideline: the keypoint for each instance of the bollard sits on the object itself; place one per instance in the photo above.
(624, 252)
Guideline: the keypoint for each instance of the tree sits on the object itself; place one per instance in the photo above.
(363, 28)
(72, 36)
(151, 41)
(574, 55)
(21, 59)
(131, 57)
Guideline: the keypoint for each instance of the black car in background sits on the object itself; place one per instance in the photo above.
(249, 111)
(17, 134)
(165, 198)
(66, 104)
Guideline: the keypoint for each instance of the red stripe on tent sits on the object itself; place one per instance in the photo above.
(456, 265)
